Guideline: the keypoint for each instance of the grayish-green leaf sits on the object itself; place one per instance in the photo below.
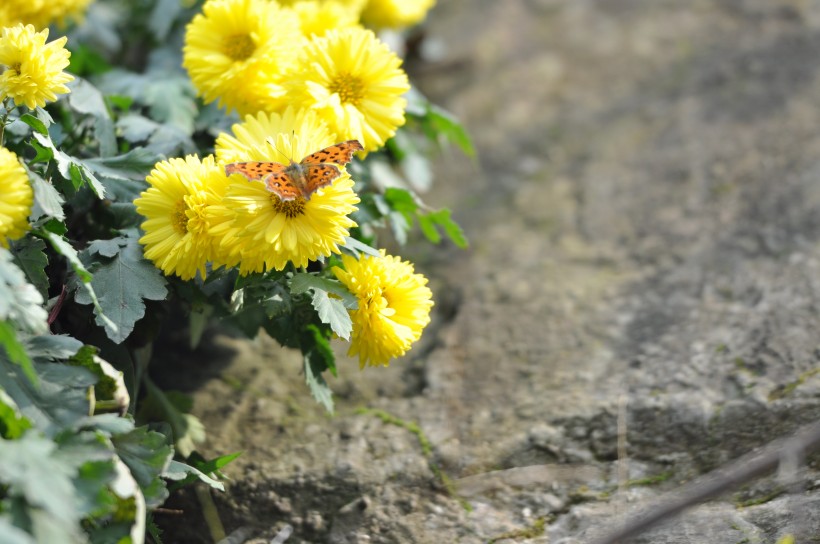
(47, 200)
(147, 456)
(123, 282)
(65, 249)
(179, 471)
(19, 300)
(332, 312)
(15, 351)
(71, 168)
(355, 247)
(30, 258)
(31, 471)
(87, 99)
(302, 282)
(134, 165)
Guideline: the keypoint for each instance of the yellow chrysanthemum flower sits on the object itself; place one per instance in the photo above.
(394, 306)
(16, 198)
(42, 13)
(237, 50)
(395, 13)
(317, 18)
(176, 229)
(356, 84)
(258, 229)
(33, 69)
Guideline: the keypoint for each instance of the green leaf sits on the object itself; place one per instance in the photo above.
(47, 199)
(180, 471)
(447, 126)
(147, 456)
(321, 354)
(65, 249)
(106, 248)
(318, 386)
(20, 301)
(30, 258)
(332, 312)
(124, 281)
(171, 407)
(71, 168)
(34, 123)
(59, 400)
(110, 386)
(428, 228)
(12, 423)
(32, 472)
(355, 247)
(16, 352)
(303, 282)
(134, 165)
(443, 218)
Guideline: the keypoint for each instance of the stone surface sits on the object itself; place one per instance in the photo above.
(644, 217)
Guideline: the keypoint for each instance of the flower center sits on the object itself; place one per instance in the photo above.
(291, 208)
(195, 220)
(179, 220)
(350, 89)
(239, 46)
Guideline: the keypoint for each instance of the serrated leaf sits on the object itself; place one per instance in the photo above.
(106, 248)
(124, 281)
(30, 258)
(318, 386)
(48, 201)
(302, 282)
(332, 312)
(20, 301)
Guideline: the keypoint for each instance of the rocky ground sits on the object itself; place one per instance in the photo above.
(644, 219)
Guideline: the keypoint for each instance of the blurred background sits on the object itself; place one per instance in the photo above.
(638, 306)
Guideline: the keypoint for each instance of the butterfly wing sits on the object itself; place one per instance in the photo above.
(254, 170)
(281, 184)
(337, 154)
(318, 176)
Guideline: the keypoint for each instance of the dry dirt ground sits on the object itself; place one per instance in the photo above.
(644, 218)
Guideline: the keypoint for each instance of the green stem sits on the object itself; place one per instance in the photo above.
(4, 120)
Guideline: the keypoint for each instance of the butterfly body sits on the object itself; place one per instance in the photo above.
(299, 179)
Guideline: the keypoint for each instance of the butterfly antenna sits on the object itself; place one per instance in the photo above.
(272, 141)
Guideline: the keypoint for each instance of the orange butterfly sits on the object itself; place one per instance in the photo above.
(299, 179)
